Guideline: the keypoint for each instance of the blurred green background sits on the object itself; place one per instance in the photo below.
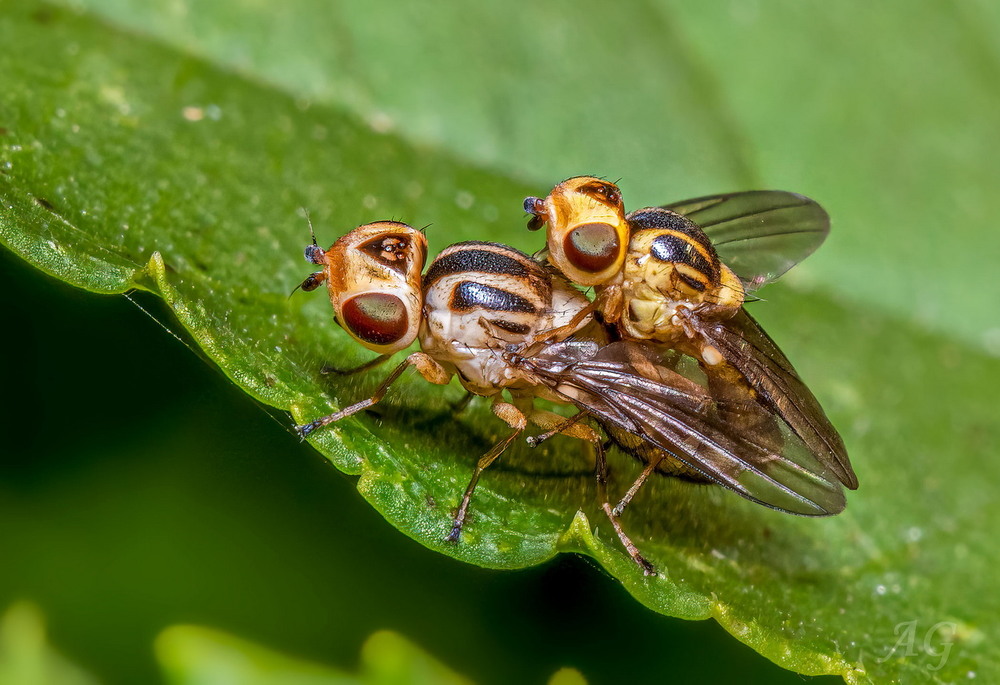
(139, 488)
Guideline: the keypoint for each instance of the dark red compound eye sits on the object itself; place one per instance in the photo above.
(592, 247)
(376, 318)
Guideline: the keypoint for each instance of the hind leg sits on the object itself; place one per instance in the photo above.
(513, 417)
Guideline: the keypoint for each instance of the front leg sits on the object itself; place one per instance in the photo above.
(360, 368)
(562, 332)
(428, 368)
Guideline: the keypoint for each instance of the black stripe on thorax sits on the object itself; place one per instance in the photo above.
(469, 295)
(670, 247)
(653, 218)
(467, 259)
(682, 240)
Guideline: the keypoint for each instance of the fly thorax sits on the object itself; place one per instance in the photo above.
(671, 263)
(673, 268)
(652, 318)
(646, 310)
(481, 297)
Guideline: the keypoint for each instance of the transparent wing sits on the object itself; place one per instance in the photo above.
(746, 346)
(627, 387)
(759, 234)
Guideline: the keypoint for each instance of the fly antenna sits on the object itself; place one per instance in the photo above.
(305, 213)
(314, 254)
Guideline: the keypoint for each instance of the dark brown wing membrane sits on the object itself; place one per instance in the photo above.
(759, 234)
(746, 346)
(614, 383)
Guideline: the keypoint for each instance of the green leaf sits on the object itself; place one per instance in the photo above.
(26, 658)
(191, 655)
(880, 113)
(148, 147)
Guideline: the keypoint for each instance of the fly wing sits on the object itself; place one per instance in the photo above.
(746, 346)
(628, 386)
(759, 234)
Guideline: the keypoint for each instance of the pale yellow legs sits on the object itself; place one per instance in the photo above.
(515, 417)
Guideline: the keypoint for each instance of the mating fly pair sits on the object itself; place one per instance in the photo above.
(672, 368)
(476, 301)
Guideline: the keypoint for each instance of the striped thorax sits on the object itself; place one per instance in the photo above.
(644, 265)
(671, 263)
(480, 297)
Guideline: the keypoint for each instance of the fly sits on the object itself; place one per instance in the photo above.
(476, 300)
(671, 282)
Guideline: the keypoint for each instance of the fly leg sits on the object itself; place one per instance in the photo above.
(360, 368)
(602, 492)
(460, 406)
(428, 368)
(565, 330)
(650, 467)
(557, 425)
(571, 426)
(513, 417)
